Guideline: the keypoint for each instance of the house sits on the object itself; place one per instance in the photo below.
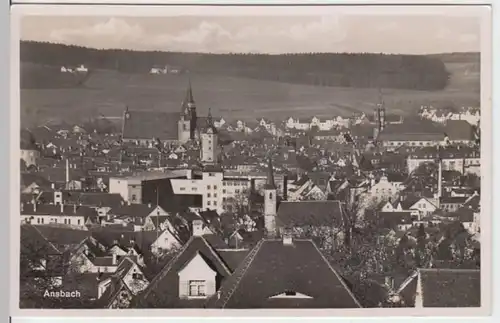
(140, 215)
(397, 221)
(440, 288)
(284, 273)
(71, 216)
(383, 189)
(39, 257)
(196, 273)
(30, 152)
(419, 206)
(454, 158)
(81, 69)
(118, 290)
(451, 204)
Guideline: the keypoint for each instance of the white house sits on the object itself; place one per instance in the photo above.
(82, 69)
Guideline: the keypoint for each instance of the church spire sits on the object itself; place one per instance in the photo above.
(270, 185)
(188, 104)
(189, 96)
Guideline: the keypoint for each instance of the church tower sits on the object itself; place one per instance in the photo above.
(270, 202)
(187, 121)
(209, 142)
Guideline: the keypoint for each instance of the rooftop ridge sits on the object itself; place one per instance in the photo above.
(216, 255)
(337, 275)
(166, 269)
(247, 262)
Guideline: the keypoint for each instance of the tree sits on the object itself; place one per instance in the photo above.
(42, 271)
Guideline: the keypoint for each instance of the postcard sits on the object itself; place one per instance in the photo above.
(251, 160)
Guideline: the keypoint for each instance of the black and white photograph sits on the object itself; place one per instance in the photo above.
(328, 158)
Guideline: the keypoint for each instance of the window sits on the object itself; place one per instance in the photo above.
(55, 220)
(197, 288)
(215, 187)
(270, 195)
(223, 199)
(215, 203)
(182, 188)
(194, 189)
(136, 276)
(78, 221)
(223, 183)
(134, 197)
(236, 191)
(38, 220)
(208, 187)
(208, 202)
(211, 174)
(209, 195)
(42, 220)
(215, 194)
(223, 191)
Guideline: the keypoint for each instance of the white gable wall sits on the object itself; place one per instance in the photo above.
(197, 269)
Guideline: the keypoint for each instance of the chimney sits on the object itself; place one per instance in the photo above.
(149, 205)
(22, 206)
(114, 260)
(67, 171)
(74, 208)
(62, 208)
(285, 188)
(197, 228)
(53, 185)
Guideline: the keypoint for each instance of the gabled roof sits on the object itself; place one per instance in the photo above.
(316, 213)
(135, 210)
(446, 288)
(273, 268)
(164, 288)
(63, 238)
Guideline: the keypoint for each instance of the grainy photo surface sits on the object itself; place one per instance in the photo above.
(327, 161)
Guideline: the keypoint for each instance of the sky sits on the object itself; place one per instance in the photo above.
(395, 34)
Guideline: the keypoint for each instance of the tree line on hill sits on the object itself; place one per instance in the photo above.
(366, 70)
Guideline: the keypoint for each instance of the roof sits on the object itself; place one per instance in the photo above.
(68, 210)
(164, 288)
(233, 257)
(391, 220)
(451, 287)
(135, 210)
(316, 213)
(453, 199)
(62, 237)
(273, 268)
(147, 125)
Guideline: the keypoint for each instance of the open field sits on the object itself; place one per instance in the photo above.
(108, 92)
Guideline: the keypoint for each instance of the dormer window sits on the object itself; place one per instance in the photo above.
(291, 294)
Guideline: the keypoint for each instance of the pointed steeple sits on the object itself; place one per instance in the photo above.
(210, 123)
(188, 103)
(189, 96)
(270, 185)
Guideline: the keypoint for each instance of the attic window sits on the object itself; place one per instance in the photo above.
(291, 294)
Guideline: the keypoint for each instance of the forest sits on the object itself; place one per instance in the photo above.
(360, 70)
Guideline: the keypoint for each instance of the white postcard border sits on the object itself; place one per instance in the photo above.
(486, 157)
